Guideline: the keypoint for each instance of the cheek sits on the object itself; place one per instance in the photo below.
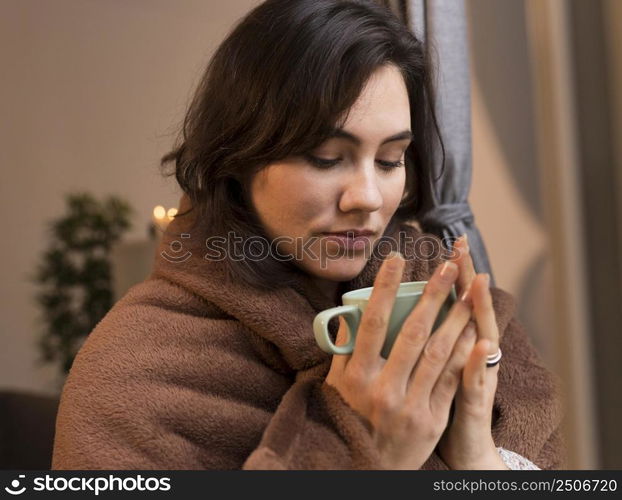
(286, 199)
(302, 194)
(393, 191)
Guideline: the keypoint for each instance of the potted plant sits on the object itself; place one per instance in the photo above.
(74, 274)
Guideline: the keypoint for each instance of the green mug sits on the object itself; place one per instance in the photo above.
(354, 303)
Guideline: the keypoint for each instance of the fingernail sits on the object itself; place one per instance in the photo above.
(447, 269)
(466, 243)
(487, 279)
(394, 259)
(393, 255)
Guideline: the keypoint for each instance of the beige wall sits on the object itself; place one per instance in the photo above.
(524, 191)
(505, 192)
(90, 94)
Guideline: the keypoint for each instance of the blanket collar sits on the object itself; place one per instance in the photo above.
(283, 317)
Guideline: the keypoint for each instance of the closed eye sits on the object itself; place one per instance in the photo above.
(328, 163)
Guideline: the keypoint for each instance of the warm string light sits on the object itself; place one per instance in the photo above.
(161, 217)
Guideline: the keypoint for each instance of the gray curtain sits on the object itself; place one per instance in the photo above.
(442, 24)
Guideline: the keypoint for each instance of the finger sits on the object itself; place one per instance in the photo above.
(374, 322)
(484, 312)
(478, 384)
(438, 350)
(465, 264)
(447, 384)
(418, 325)
(340, 360)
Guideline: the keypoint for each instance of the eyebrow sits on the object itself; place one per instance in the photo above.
(340, 133)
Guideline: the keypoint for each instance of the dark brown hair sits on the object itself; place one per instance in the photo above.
(285, 76)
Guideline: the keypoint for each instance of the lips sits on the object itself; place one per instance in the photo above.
(351, 239)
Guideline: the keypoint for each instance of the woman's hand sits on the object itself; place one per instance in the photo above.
(407, 397)
(468, 442)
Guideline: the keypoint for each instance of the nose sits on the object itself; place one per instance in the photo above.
(361, 191)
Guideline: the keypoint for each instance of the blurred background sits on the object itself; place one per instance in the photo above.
(93, 93)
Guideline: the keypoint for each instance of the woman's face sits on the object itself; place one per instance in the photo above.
(357, 185)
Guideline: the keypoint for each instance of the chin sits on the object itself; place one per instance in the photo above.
(342, 269)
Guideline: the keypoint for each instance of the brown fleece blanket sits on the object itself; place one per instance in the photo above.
(188, 371)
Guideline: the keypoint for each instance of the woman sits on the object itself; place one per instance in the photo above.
(313, 119)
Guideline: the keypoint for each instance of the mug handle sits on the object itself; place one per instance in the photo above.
(351, 314)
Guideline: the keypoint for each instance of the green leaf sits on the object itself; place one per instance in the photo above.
(74, 273)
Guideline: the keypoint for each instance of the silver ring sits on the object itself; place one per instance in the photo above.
(493, 359)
